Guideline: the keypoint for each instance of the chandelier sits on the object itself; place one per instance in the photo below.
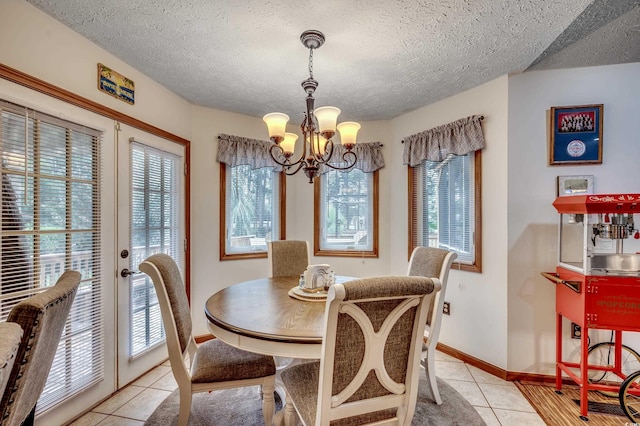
(318, 128)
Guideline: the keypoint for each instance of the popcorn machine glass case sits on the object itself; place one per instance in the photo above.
(597, 278)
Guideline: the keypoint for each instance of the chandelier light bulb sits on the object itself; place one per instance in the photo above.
(348, 133)
(276, 124)
(319, 145)
(288, 145)
(327, 117)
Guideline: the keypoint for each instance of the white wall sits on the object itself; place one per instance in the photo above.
(532, 220)
(477, 324)
(34, 43)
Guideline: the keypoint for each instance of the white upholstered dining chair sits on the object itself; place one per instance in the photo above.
(287, 257)
(432, 262)
(214, 365)
(369, 368)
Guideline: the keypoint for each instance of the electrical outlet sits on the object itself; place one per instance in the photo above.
(446, 308)
(576, 331)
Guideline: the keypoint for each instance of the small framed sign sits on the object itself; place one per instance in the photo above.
(576, 135)
(115, 84)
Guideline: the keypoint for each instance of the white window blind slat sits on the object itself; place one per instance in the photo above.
(51, 172)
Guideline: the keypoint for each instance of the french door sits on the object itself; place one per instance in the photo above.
(151, 219)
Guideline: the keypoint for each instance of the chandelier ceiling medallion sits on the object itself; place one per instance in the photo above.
(318, 128)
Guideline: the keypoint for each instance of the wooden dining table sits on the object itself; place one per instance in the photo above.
(260, 316)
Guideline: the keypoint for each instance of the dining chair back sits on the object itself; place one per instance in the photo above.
(432, 262)
(287, 257)
(10, 338)
(42, 318)
(370, 362)
(212, 365)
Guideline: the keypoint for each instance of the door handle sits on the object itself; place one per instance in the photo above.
(126, 272)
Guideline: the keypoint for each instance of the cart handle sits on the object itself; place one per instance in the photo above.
(555, 278)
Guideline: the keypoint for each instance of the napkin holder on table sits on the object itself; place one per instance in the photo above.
(316, 276)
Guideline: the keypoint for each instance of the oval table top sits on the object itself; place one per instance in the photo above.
(260, 316)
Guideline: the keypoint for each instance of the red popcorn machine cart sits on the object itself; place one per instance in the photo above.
(597, 283)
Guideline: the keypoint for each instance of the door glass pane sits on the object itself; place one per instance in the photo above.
(155, 228)
(51, 223)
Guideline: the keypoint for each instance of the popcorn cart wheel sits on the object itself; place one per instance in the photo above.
(630, 397)
(603, 354)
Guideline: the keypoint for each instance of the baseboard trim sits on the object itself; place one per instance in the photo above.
(510, 376)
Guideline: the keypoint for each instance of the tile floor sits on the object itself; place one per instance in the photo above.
(499, 402)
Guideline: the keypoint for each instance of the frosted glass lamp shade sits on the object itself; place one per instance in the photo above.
(288, 145)
(327, 117)
(348, 133)
(319, 144)
(277, 124)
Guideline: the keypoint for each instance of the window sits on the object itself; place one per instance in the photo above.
(156, 227)
(51, 175)
(346, 214)
(251, 210)
(445, 207)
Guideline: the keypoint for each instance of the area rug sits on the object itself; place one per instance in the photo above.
(564, 409)
(243, 407)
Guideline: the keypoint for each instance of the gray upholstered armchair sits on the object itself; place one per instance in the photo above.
(42, 317)
(10, 338)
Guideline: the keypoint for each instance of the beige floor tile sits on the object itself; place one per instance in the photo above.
(481, 376)
(141, 407)
(441, 356)
(118, 400)
(470, 391)
(166, 382)
(152, 376)
(518, 418)
(89, 419)
(488, 416)
(505, 396)
(121, 421)
(452, 370)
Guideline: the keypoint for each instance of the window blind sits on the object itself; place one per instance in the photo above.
(346, 210)
(51, 181)
(252, 208)
(448, 204)
(156, 227)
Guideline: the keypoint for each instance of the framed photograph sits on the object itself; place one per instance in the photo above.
(576, 135)
(574, 185)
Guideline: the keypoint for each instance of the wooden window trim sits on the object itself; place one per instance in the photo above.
(282, 189)
(345, 253)
(412, 237)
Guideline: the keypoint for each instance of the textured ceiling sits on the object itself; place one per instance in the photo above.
(380, 59)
